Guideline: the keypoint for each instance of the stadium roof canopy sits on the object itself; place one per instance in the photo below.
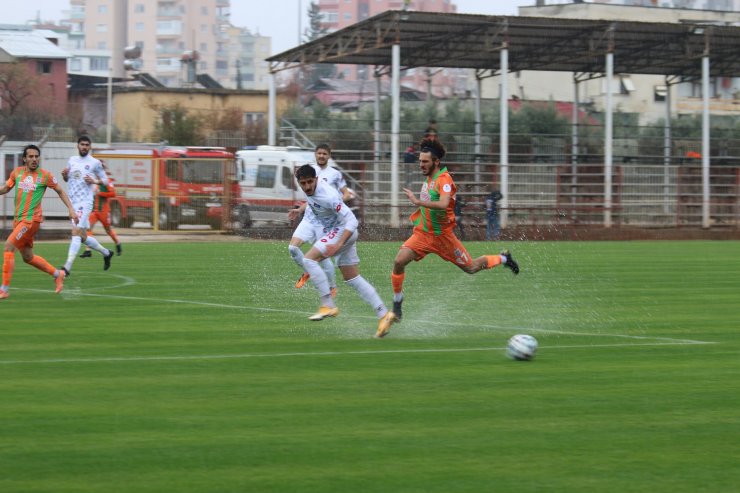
(431, 39)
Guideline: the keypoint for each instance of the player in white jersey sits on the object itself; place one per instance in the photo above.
(82, 173)
(338, 240)
(309, 229)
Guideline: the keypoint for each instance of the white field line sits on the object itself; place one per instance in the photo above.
(660, 341)
(320, 353)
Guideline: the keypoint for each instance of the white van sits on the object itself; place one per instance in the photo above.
(266, 184)
(267, 187)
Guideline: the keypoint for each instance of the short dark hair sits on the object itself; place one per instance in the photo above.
(323, 146)
(305, 171)
(31, 146)
(433, 146)
(84, 138)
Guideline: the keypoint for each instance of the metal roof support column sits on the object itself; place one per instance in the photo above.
(478, 120)
(271, 110)
(376, 133)
(574, 145)
(504, 136)
(705, 140)
(608, 139)
(395, 126)
(667, 148)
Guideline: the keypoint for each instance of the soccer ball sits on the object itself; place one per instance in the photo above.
(521, 347)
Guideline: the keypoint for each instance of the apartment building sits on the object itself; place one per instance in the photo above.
(167, 31)
(247, 66)
(337, 14)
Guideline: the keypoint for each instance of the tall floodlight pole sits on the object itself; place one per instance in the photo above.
(109, 110)
(395, 127)
(300, 13)
(705, 139)
(504, 135)
(608, 132)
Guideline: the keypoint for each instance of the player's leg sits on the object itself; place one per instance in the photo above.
(93, 218)
(9, 262)
(348, 262)
(93, 242)
(75, 241)
(451, 249)
(304, 233)
(327, 307)
(105, 221)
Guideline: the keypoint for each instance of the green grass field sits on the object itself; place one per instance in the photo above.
(192, 367)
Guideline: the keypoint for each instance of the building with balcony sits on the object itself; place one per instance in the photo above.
(163, 29)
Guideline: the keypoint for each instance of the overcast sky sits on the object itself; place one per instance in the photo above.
(275, 18)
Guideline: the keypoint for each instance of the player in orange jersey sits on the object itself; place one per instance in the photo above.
(434, 224)
(32, 182)
(101, 211)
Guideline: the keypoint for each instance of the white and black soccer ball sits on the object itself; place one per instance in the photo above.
(521, 347)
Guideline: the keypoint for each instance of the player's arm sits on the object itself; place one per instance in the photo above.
(63, 195)
(349, 221)
(65, 173)
(8, 185)
(296, 211)
(442, 203)
(109, 193)
(347, 194)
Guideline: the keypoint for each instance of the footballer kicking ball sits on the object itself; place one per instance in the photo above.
(521, 347)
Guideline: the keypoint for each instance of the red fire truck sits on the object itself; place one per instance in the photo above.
(168, 186)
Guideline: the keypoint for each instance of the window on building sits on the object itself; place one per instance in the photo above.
(140, 26)
(253, 118)
(102, 9)
(203, 10)
(204, 47)
(75, 65)
(102, 45)
(101, 28)
(659, 93)
(626, 86)
(329, 17)
(43, 67)
(204, 28)
(696, 88)
(347, 16)
(139, 8)
(98, 63)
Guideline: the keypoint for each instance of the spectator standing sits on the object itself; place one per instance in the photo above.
(493, 222)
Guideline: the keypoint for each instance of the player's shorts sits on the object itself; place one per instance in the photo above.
(83, 216)
(23, 233)
(307, 231)
(102, 216)
(347, 255)
(446, 245)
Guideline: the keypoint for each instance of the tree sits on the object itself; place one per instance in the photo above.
(315, 30)
(17, 88)
(176, 126)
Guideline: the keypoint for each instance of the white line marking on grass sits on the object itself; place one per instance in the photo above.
(125, 359)
(502, 328)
